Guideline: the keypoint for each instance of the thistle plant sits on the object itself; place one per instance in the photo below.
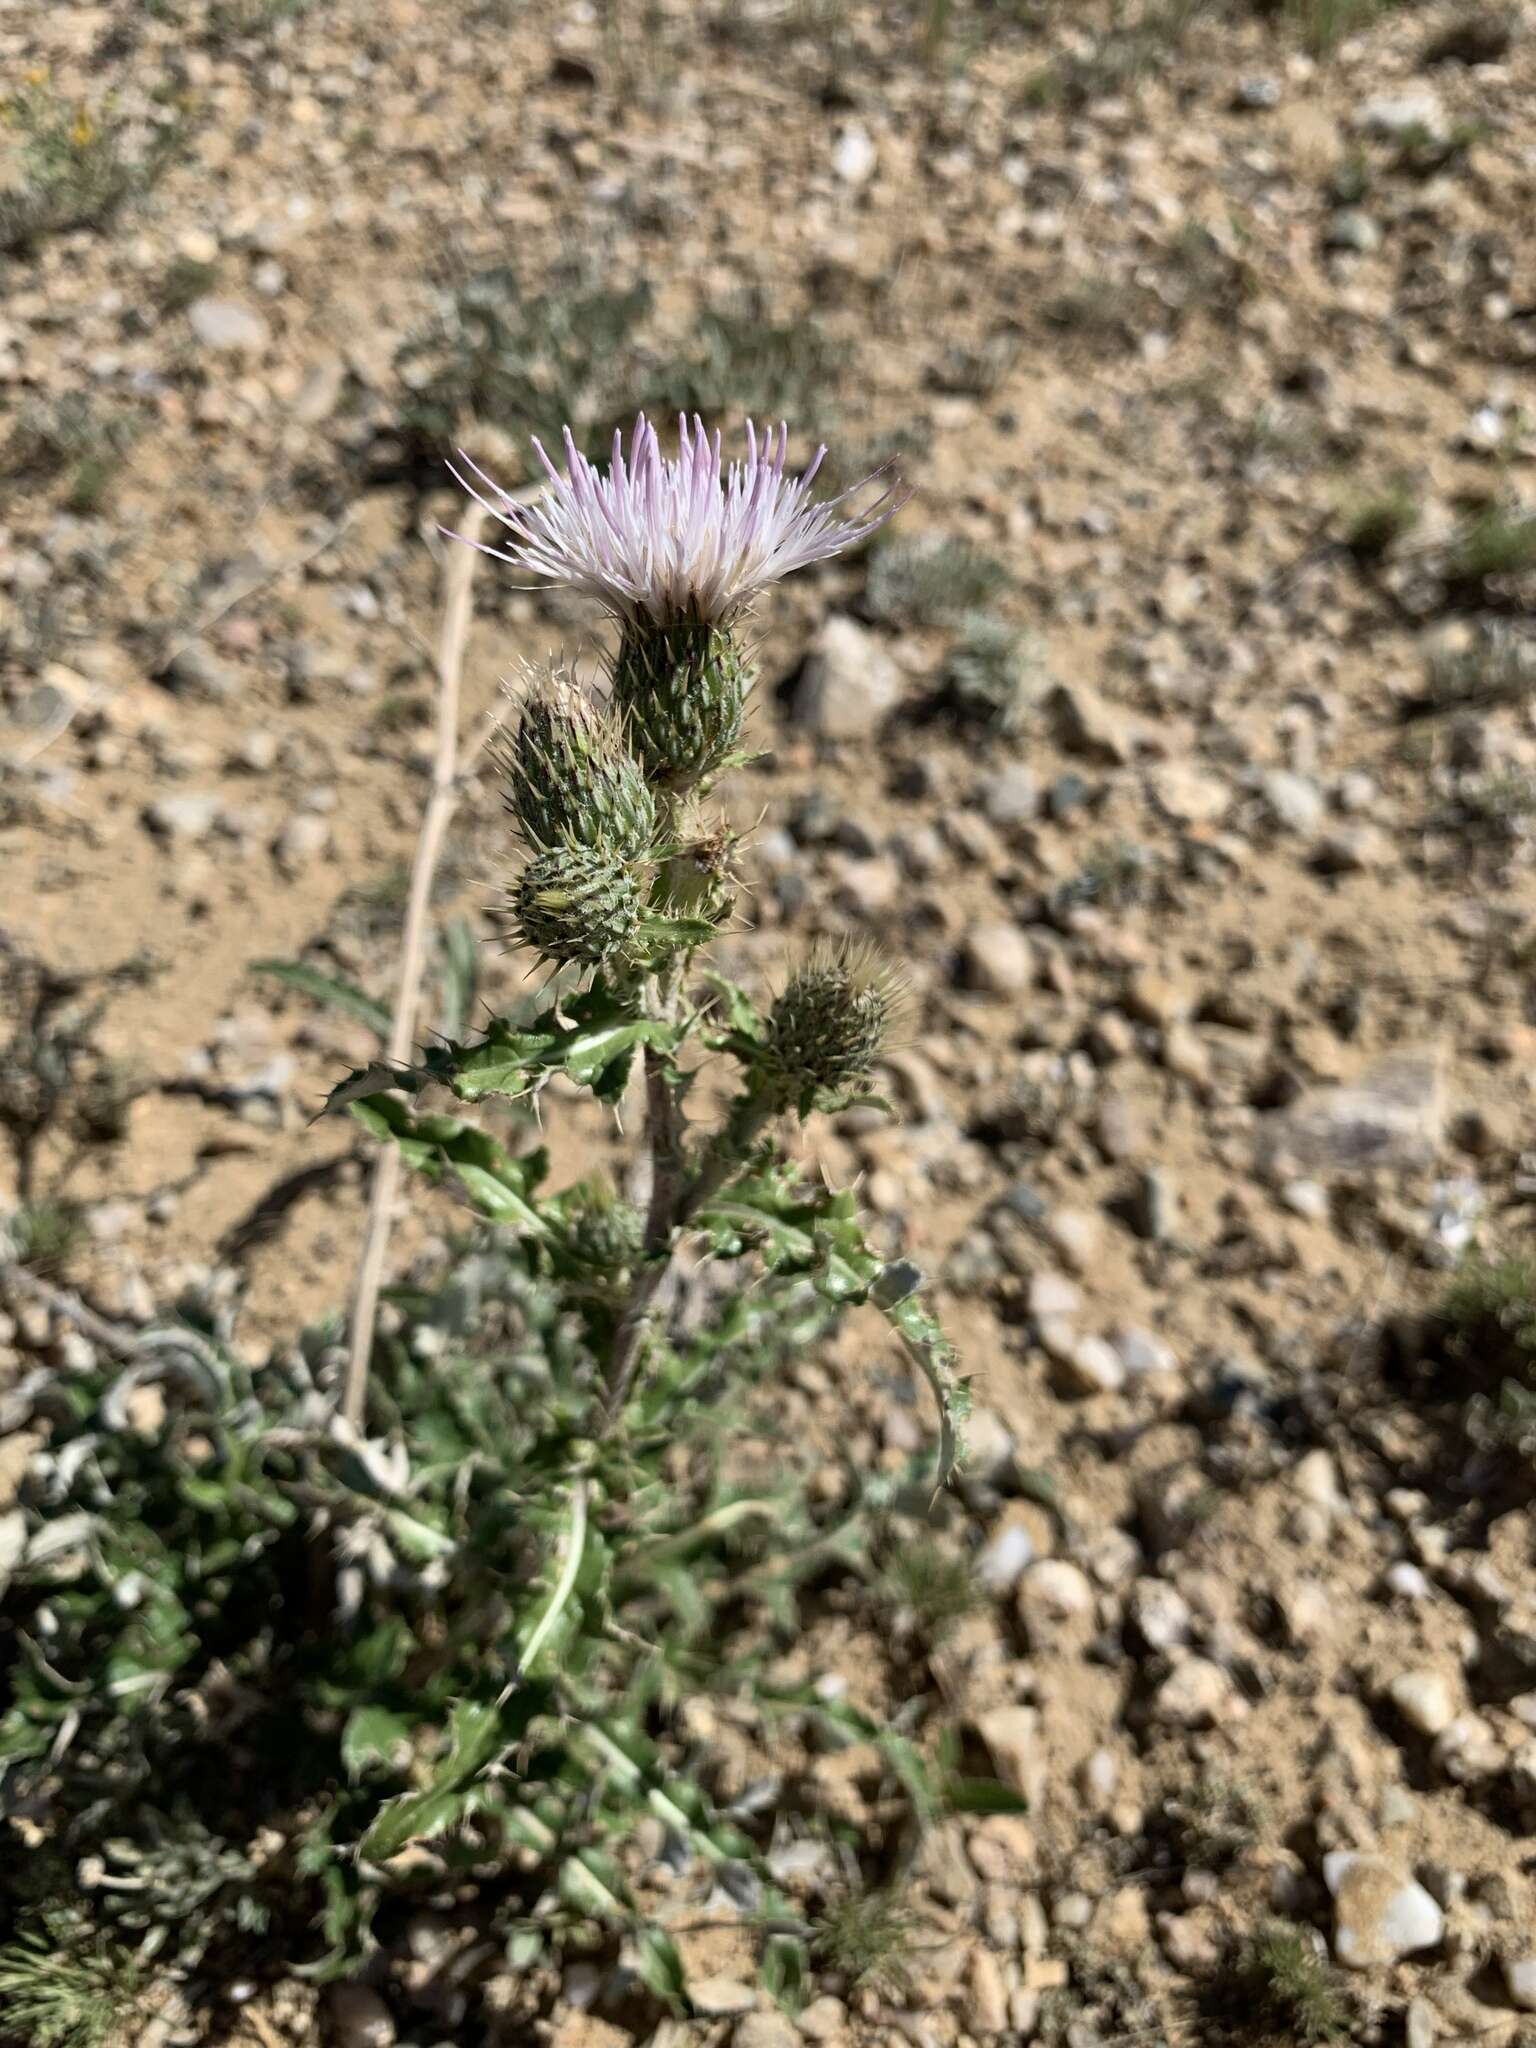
(270, 1665)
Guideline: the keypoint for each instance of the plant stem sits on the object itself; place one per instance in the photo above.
(677, 1195)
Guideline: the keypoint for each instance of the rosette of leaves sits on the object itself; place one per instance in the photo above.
(264, 1673)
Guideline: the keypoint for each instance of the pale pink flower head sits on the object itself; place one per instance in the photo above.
(662, 537)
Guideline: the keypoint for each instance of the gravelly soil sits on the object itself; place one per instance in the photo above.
(1221, 946)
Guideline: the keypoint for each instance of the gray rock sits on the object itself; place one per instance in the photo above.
(1257, 95)
(1293, 801)
(1187, 794)
(1351, 229)
(359, 2017)
(1196, 1694)
(1379, 1913)
(766, 2030)
(720, 1998)
(1086, 725)
(1090, 1366)
(225, 324)
(195, 671)
(1393, 1116)
(848, 685)
(303, 839)
(1396, 116)
(1011, 797)
(185, 818)
(998, 960)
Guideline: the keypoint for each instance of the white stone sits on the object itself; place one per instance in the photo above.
(1197, 1694)
(1520, 1981)
(1380, 1915)
(1005, 1557)
(1092, 1366)
(998, 960)
(848, 684)
(1012, 1737)
(1425, 1699)
(854, 156)
(225, 324)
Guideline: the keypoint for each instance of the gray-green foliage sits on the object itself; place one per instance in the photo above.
(1285, 1989)
(63, 1985)
(76, 437)
(74, 166)
(580, 351)
(191, 1670)
(933, 580)
(1489, 1311)
(496, 350)
(993, 674)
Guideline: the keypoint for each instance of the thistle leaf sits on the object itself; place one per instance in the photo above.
(498, 1185)
(591, 1036)
(478, 1732)
(374, 1739)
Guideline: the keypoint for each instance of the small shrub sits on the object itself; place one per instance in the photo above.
(935, 1586)
(741, 360)
(76, 437)
(994, 674)
(499, 351)
(56, 1082)
(867, 1939)
(74, 167)
(1374, 526)
(931, 581)
(1497, 542)
(185, 281)
(63, 1986)
(1117, 873)
(1215, 1822)
(1286, 1990)
(44, 1235)
(1498, 666)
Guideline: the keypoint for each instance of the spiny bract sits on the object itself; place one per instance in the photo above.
(577, 904)
(569, 778)
(828, 1028)
(680, 690)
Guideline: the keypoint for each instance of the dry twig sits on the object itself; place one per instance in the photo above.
(448, 769)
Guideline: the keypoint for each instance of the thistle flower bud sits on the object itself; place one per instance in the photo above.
(680, 689)
(570, 779)
(577, 903)
(828, 1028)
(603, 1237)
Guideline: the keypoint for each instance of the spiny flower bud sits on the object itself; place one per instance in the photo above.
(569, 776)
(603, 1235)
(680, 690)
(828, 1028)
(577, 903)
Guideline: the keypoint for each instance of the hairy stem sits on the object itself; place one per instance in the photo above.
(678, 1192)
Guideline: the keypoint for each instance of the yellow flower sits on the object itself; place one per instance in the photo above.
(83, 133)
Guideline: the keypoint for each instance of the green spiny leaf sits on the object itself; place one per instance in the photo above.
(374, 1738)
